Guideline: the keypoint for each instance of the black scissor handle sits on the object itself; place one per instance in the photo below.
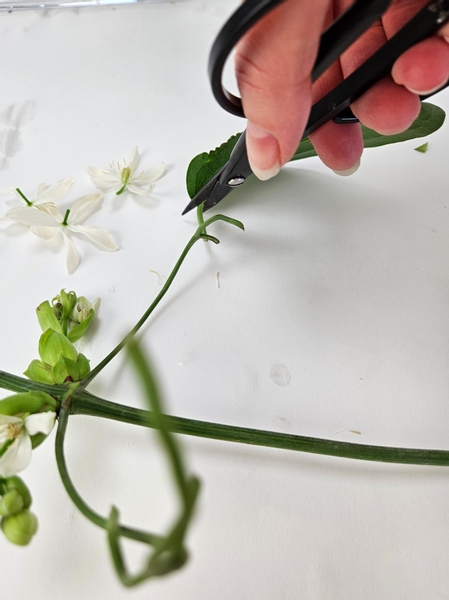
(334, 41)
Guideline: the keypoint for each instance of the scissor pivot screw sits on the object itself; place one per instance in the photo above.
(235, 181)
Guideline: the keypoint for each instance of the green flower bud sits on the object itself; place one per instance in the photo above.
(62, 306)
(84, 365)
(16, 483)
(19, 529)
(83, 308)
(11, 503)
(68, 300)
(53, 345)
(27, 402)
(39, 371)
(47, 316)
(65, 370)
(81, 317)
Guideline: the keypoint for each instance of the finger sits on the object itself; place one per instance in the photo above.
(387, 107)
(424, 68)
(338, 146)
(273, 65)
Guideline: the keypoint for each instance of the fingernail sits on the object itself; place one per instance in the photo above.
(263, 152)
(425, 92)
(350, 171)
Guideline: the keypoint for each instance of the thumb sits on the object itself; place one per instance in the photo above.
(273, 64)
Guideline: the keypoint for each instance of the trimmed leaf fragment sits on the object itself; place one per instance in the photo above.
(423, 148)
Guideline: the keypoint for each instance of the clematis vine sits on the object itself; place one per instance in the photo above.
(122, 176)
(46, 195)
(48, 222)
(15, 439)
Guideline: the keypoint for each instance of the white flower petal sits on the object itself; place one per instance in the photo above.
(41, 188)
(150, 175)
(47, 207)
(100, 236)
(53, 192)
(141, 191)
(17, 457)
(40, 422)
(45, 233)
(10, 190)
(106, 188)
(132, 160)
(73, 257)
(28, 215)
(104, 180)
(84, 207)
(6, 420)
(51, 209)
(104, 175)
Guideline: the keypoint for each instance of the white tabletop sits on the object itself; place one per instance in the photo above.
(330, 320)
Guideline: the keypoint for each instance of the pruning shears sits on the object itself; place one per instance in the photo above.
(334, 105)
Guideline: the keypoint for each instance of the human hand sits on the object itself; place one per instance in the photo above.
(273, 66)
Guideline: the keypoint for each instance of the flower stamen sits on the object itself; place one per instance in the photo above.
(13, 430)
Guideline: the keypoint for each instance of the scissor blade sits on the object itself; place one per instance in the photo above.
(204, 193)
(231, 175)
(211, 194)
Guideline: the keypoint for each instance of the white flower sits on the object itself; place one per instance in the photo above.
(45, 195)
(49, 222)
(120, 177)
(82, 309)
(15, 442)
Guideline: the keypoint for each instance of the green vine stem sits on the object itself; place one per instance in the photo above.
(90, 514)
(168, 552)
(199, 234)
(84, 403)
(14, 383)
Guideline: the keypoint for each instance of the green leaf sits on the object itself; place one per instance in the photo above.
(205, 165)
(429, 120)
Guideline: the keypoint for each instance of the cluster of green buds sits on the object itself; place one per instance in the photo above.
(18, 523)
(26, 419)
(63, 321)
